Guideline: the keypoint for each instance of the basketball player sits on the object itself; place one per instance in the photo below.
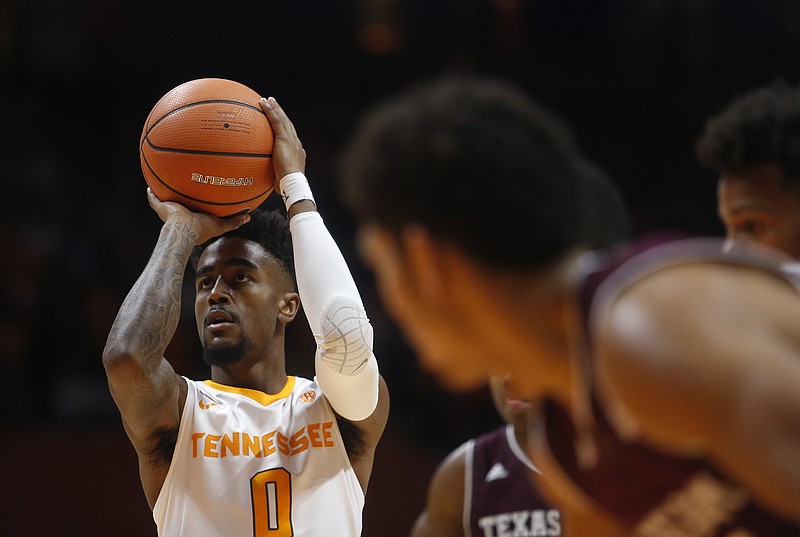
(665, 382)
(482, 487)
(252, 451)
(754, 146)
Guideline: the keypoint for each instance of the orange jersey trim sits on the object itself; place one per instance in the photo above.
(260, 397)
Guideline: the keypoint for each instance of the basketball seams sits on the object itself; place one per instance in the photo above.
(197, 103)
(202, 152)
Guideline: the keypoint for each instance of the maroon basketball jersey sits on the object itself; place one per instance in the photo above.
(499, 498)
(654, 493)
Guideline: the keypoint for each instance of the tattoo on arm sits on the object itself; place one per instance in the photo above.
(149, 316)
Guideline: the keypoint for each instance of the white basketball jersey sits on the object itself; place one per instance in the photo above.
(249, 464)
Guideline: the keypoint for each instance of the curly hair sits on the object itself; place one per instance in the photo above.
(267, 227)
(757, 128)
(477, 162)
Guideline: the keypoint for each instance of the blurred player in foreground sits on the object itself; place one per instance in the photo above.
(665, 381)
(253, 451)
(482, 487)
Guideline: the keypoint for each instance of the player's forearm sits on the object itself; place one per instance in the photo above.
(149, 316)
(346, 368)
(322, 272)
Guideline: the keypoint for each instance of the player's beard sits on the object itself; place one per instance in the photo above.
(226, 355)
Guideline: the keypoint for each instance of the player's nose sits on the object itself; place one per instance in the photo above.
(220, 293)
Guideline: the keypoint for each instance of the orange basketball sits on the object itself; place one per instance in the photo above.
(208, 146)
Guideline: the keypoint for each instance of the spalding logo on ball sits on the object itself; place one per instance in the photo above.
(208, 146)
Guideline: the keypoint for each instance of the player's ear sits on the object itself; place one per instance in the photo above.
(426, 259)
(288, 307)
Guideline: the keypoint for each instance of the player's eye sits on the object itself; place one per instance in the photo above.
(205, 283)
(242, 277)
(749, 227)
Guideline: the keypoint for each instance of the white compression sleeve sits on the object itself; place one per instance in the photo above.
(346, 368)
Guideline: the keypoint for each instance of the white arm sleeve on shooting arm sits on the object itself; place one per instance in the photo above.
(346, 368)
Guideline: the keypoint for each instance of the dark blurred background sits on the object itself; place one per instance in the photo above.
(636, 79)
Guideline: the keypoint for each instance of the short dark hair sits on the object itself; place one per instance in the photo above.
(759, 127)
(267, 227)
(477, 162)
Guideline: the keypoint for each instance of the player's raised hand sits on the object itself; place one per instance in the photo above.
(204, 225)
(288, 154)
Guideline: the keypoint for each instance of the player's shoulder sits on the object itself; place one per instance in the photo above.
(448, 479)
(452, 467)
(677, 298)
(680, 280)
